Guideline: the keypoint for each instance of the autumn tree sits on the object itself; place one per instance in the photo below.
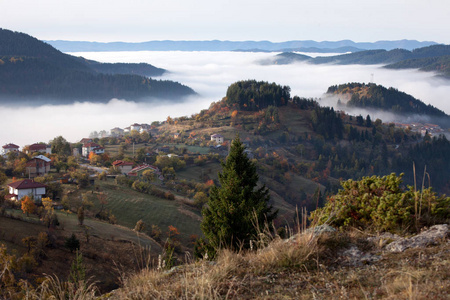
(140, 226)
(80, 215)
(60, 146)
(237, 205)
(28, 205)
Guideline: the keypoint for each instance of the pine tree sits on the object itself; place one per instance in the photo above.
(238, 204)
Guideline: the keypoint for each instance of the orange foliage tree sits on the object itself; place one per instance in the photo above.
(28, 205)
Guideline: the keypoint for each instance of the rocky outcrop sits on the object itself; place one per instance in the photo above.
(426, 238)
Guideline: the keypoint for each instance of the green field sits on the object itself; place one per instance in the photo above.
(195, 172)
(69, 223)
(114, 149)
(130, 206)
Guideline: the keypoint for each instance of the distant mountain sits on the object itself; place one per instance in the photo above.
(32, 70)
(383, 56)
(215, 45)
(440, 64)
(388, 99)
(431, 58)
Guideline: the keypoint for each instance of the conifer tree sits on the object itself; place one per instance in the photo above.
(237, 205)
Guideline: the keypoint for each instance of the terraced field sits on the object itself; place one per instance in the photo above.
(130, 206)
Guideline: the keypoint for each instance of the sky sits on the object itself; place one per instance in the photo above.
(237, 20)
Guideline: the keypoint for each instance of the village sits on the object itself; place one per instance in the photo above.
(41, 161)
(422, 128)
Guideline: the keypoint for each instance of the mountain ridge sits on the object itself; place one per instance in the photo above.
(216, 45)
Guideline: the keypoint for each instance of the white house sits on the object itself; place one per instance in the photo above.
(10, 148)
(217, 138)
(92, 147)
(136, 127)
(145, 127)
(27, 187)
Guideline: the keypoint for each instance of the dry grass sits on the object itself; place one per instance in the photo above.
(304, 267)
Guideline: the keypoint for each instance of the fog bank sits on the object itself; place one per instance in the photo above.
(209, 74)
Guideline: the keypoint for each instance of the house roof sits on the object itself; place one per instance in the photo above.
(91, 145)
(26, 184)
(85, 140)
(10, 146)
(143, 167)
(37, 147)
(122, 163)
(32, 162)
(44, 158)
(216, 136)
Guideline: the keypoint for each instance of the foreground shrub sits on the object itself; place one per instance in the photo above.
(379, 204)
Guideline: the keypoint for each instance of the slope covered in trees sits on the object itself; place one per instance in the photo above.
(31, 69)
(254, 95)
(431, 58)
(388, 99)
(440, 64)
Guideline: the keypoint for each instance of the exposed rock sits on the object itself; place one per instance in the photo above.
(312, 232)
(383, 239)
(425, 238)
(320, 229)
(355, 257)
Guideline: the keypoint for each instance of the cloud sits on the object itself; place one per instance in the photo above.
(208, 73)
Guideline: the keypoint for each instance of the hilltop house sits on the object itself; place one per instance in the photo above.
(145, 127)
(86, 140)
(117, 132)
(27, 187)
(9, 148)
(37, 166)
(217, 138)
(135, 126)
(123, 166)
(41, 148)
(92, 147)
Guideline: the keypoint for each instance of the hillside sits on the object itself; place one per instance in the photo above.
(387, 99)
(440, 64)
(302, 151)
(33, 70)
(431, 58)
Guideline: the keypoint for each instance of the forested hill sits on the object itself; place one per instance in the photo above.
(252, 95)
(431, 58)
(388, 99)
(31, 69)
(440, 64)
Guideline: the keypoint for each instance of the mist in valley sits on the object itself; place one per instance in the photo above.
(209, 74)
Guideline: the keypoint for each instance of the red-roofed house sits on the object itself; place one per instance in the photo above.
(86, 140)
(43, 148)
(39, 165)
(92, 147)
(10, 148)
(123, 166)
(22, 188)
(137, 171)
